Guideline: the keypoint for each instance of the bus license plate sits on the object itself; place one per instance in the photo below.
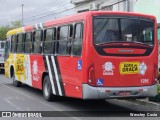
(124, 93)
(129, 67)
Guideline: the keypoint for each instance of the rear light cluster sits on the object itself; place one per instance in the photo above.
(155, 75)
(91, 76)
(1, 64)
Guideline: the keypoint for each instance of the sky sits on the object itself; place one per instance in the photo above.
(35, 11)
(149, 7)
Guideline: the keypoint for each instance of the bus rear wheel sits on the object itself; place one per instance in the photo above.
(16, 83)
(47, 89)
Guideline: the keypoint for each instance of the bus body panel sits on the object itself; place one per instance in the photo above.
(110, 77)
(70, 72)
(113, 80)
(109, 71)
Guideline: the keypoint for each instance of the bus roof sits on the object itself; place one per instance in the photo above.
(75, 17)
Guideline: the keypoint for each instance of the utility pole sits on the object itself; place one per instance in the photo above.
(22, 13)
(118, 5)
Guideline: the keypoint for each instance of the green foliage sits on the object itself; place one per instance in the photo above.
(5, 29)
(15, 24)
(158, 89)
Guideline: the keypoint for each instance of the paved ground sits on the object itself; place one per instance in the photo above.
(29, 99)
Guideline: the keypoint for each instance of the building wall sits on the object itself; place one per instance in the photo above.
(85, 6)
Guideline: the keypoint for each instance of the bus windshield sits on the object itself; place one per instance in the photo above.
(111, 29)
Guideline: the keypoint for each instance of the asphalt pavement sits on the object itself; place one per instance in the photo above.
(26, 99)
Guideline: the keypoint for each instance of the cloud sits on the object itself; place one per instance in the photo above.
(12, 10)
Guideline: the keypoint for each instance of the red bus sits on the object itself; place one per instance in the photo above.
(90, 55)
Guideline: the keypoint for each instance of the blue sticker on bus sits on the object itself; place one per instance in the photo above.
(100, 82)
(79, 66)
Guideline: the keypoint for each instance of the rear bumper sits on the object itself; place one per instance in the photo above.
(90, 92)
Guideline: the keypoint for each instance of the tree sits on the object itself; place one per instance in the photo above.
(5, 29)
(16, 24)
(3, 32)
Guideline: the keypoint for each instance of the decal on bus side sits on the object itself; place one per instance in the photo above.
(27, 70)
(108, 68)
(35, 70)
(79, 65)
(100, 82)
(19, 64)
(142, 68)
(133, 68)
(26, 67)
(144, 81)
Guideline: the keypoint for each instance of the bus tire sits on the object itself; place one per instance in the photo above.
(47, 89)
(16, 83)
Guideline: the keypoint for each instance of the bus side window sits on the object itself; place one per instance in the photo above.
(49, 44)
(63, 47)
(7, 49)
(77, 42)
(13, 43)
(37, 42)
(20, 43)
(28, 42)
(2, 45)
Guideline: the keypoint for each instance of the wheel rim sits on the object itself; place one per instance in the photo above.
(46, 89)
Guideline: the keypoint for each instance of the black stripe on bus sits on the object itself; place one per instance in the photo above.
(53, 75)
(45, 63)
(60, 76)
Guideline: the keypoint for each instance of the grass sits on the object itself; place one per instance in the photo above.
(157, 97)
(158, 89)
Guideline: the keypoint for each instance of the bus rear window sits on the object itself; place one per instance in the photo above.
(108, 30)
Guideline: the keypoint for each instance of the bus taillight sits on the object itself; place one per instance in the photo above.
(155, 75)
(91, 76)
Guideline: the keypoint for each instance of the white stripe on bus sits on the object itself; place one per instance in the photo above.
(50, 76)
(56, 75)
(41, 25)
(36, 25)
